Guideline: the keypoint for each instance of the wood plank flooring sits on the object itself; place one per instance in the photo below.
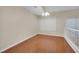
(42, 44)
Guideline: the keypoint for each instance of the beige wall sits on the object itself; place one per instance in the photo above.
(61, 17)
(16, 24)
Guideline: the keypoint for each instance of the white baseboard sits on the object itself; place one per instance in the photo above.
(28, 38)
(18, 42)
(73, 46)
(51, 34)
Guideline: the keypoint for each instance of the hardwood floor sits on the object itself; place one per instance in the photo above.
(42, 44)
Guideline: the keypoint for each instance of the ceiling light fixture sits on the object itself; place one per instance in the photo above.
(45, 14)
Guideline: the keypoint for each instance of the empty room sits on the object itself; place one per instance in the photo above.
(39, 29)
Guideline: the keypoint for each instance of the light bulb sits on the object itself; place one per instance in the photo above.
(45, 14)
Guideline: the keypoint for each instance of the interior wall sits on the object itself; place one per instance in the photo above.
(61, 18)
(16, 24)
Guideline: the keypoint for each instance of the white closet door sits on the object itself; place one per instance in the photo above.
(48, 24)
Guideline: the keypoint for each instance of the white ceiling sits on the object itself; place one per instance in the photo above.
(37, 10)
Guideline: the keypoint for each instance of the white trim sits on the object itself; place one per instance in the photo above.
(74, 47)
(27, 39)
(51, 34)
(18, 42)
